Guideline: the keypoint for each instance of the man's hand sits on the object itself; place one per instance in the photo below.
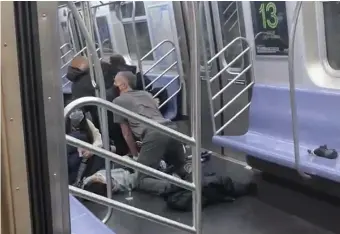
(84, 153)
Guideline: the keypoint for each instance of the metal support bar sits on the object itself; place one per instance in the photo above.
(87, 16)
(233, 118)
(160, 60)
(231, 16)
(195, 114)
(231, 63)
(129, 163)
(78, 53)
(88, 101)
(173, 95)
(205, 62)
(102, 93)
(295, 123)
(64, 55)
(159, 76)
(156, 47)
(130, 209)
(226, 47)
(134, 30)
(231, 82)
(227, 8)
(61, 47)
(233, 99)
(167, 85)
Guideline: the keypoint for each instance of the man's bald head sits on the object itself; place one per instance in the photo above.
(125, 80)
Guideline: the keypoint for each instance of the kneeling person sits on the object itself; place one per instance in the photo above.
(156, 146)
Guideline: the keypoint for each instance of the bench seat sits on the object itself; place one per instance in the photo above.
(270, 130)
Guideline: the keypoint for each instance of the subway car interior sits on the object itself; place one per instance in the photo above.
(247, 94)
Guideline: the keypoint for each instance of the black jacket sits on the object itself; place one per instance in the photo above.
(82, 87)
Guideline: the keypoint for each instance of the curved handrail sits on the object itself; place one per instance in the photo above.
(80, 102)
(88, 23)
(102, 94)
(156, 47)
(292, 90)
(210, 80)
(226, 47)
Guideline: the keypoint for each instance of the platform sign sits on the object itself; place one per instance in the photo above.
(270, 27)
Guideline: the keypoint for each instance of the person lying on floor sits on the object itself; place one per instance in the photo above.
(215, 189)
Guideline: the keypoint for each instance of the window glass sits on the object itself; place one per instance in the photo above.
(104, 34)
(332, 33)
(230, 29)
(143, 39)
(127, 9)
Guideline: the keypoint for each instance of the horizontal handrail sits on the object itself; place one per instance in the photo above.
(226, 47)
(129, 163)
(234, 98)
(130, 209)
(84, 101)
(156, 47)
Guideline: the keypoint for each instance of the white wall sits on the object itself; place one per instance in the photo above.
(309, 72)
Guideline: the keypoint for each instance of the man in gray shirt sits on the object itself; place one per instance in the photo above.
(155, 145)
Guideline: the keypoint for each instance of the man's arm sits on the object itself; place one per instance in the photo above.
(128, 136)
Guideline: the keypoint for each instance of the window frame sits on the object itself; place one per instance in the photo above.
(138, 19)
(321, 37)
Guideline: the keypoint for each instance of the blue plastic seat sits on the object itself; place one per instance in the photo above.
(270, 129)
(83, 221)
(172, 107)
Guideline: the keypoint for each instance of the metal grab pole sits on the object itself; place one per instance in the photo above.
(193, 8)
(87, 42)
(136, 41)
(102, 93)
(295, 123)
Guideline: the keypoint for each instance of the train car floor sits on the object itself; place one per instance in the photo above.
(277, 209)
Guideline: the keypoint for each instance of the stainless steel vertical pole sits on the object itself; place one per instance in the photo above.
(196, 113)
(295, 120)
(102, 94)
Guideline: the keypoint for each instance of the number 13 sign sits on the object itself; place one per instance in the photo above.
(270, 24)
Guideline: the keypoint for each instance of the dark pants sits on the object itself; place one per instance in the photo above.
(156, 147)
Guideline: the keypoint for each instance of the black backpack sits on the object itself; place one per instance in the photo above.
(215, 189)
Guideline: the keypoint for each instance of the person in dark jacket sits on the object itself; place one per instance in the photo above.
(79, 74)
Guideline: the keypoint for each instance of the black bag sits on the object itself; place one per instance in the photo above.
(214, 190)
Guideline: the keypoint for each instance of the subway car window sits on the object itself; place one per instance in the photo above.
(104, 34)
(332, 33)
(230, 29)
(143, 35)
